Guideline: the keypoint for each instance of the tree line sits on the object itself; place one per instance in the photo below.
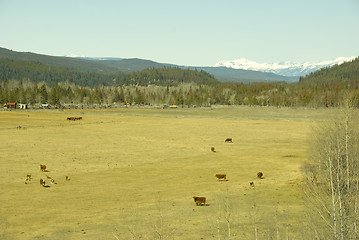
(44, 84)
(260, 94)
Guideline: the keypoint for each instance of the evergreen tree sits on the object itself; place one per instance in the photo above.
(54, 96)
(43, 94)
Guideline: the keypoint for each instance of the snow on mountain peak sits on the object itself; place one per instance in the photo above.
(282, 68)
(74, 56)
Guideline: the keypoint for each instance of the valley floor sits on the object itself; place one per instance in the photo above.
(133, 173)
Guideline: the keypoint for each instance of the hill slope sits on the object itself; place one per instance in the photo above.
(346, 72)
(108, 66)
(66, 62)
(225, 74)
(132, 64)
(38, 72)
(169, 77)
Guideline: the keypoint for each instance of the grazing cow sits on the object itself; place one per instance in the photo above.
(260, 175)
(42, 182)
(67, 178)
(229, 140)
(251, 184)
(221, 176)
(43, 168)
(53, 181)
(212, 149)
(199, 201)
(27, 180)
(74, 118)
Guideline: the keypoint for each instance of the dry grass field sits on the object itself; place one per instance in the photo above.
(133, 173)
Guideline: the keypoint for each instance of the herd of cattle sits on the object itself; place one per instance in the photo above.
(43, 167)
(42, 181)
(201, 201)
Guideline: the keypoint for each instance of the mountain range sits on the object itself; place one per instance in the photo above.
(288, 69)
(246, 70)
(240, 70)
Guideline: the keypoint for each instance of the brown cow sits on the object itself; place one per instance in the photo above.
(251, 184)
(42, 182)
(67, 178)
(260, 175)
(212, 149)
(221, 176)
(48, 177)
(43, 168)
(27, 181)
(200, 200)
(74, 118)
(229, 140)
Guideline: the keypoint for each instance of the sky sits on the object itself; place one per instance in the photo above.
(186, 32)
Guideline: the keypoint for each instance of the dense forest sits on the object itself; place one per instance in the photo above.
(347, 72)
(34, 83)
(38, 72)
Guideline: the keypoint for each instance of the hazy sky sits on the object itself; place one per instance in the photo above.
(187, 32)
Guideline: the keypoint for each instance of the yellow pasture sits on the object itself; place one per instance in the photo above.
(133, 173)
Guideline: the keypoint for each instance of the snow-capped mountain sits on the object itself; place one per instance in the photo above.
(92, 58)
(283, 68)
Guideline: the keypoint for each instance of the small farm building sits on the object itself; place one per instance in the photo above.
(10, 105)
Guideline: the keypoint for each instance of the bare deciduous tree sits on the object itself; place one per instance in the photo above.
(333, 182)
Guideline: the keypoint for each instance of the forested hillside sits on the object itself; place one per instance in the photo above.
(33, 82)
(55, 61)
(115, 65)
(347, 72)
(11, 69)
(169, 76)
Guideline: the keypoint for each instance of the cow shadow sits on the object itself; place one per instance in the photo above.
(46, 186)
